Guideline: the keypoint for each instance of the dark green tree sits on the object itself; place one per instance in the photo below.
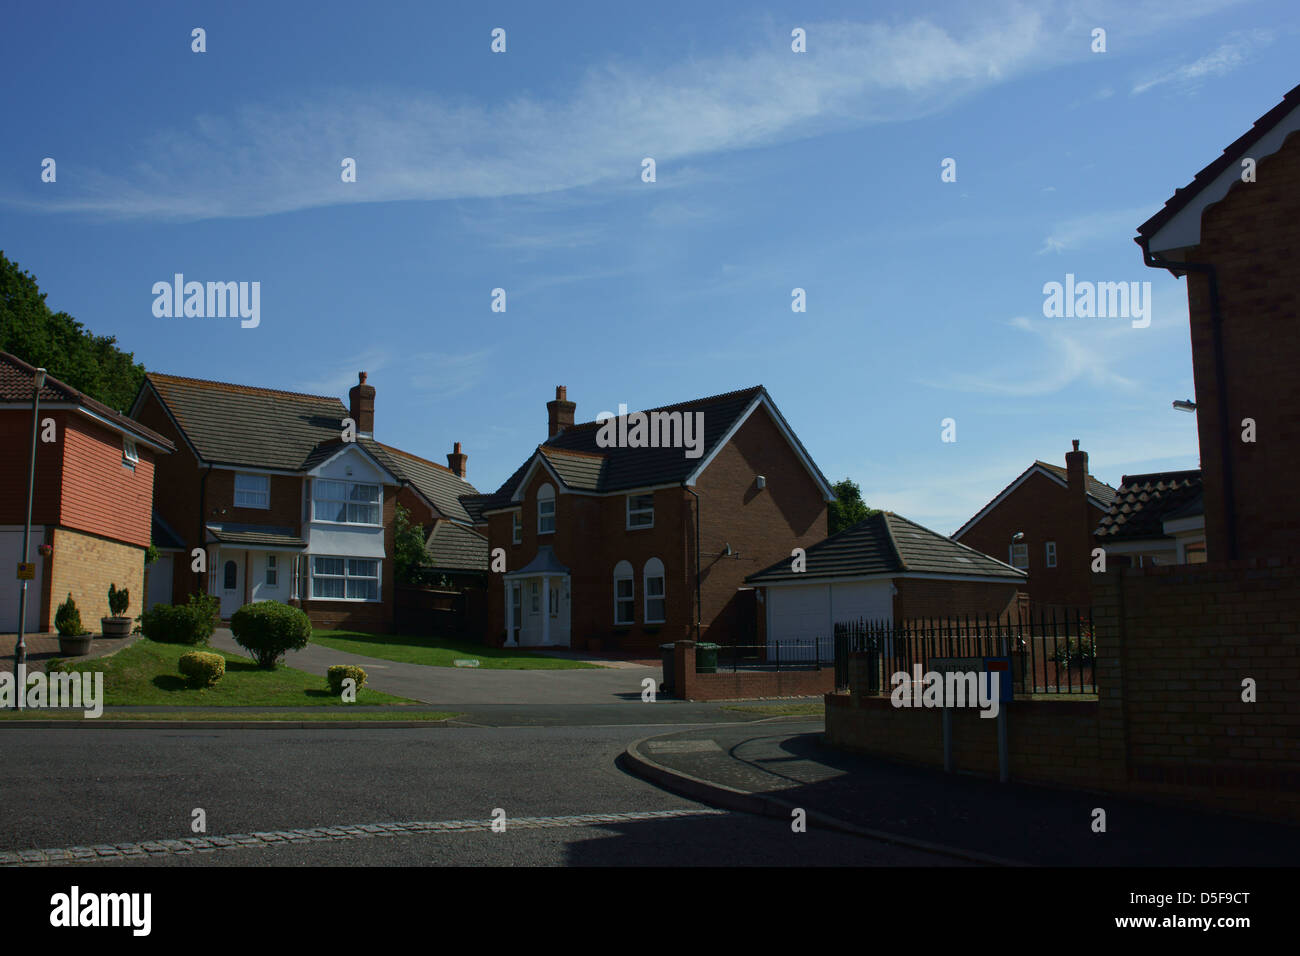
(848, 508)
(408, 547)
(62, 345)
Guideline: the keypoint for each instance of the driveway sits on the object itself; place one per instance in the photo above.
(469, 686)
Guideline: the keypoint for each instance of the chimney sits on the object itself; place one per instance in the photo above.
(361, 406)
(456, 461)
(1076, 469)
(559, 413)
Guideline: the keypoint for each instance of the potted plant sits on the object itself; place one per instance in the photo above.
(119, 625)
(74, 640)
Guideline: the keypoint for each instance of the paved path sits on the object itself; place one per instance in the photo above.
(772, 766)
(464, 686)
(42, 647)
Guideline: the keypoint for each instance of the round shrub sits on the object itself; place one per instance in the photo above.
(191, 623)
(268, 629)
(202, 668)
(337, 674)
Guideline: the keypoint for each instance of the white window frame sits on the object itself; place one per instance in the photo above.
(348, 575)
(654, 571)
(623, 573)
(546, 496)
(130, 455)
(1051, 554)
(273, 571)
(348, 502)
(1024, 548)
(517, 527)
(642, 510)
(262, 491)
(535, 596)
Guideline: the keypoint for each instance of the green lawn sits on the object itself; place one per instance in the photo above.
(147, 673)
(439, 652)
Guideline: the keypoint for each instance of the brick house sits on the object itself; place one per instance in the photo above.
(283, 507)
(885, 568)
(1055, 511)
(92, 499)
(1155, 519)
(640, 546)
(1236, 241)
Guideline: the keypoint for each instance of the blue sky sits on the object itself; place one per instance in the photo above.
(522, 170)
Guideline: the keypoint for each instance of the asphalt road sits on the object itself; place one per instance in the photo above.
(62, 789)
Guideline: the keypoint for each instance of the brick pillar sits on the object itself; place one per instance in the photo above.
(684, 668)
(1112, 721)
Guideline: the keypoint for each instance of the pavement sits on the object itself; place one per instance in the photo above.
(42, 647)
(773, 767)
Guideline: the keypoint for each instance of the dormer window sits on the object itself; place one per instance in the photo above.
(130, 457)
(546, 510)
(252, 491)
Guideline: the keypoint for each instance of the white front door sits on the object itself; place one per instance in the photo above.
(558, 608)
(230, 582)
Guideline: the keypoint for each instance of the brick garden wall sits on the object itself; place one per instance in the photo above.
(688, 685)
(1173, 646)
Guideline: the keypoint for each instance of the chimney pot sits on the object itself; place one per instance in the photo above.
(456, 461)
(361, 406)
(559, 413)
(1076, 444)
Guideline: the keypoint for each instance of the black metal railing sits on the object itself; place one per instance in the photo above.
(1051, 652)
(775, 656)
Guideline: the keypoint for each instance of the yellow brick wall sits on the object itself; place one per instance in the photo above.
(85, 566)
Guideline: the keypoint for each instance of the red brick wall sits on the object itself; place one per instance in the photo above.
(923, 598)
(1044, 511)
(285, 509)
(177, 480)
(749, 685)
(1250, 236)
(1173, 646)
(591, 537)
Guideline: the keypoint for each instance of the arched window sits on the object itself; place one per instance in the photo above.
(232, 575)
(654, 591)
(545, 510)
(624, 594)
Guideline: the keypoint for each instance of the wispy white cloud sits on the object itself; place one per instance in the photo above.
(1235, 51)
(279, 156)
(444, 374)
(1109, 225)
(338, 378)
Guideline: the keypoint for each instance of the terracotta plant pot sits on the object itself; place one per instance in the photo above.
(113, 627)
(74, 646)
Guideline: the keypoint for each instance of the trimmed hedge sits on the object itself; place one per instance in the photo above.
(268, 629)
(202, 668)
(337, 674)
(191, 623)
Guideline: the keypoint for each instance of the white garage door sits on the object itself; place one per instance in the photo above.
(160, 581)
(11, 553)
(810, 612)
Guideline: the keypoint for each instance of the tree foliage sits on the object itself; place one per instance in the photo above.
(62, 345)
(408, 547)
(848, 508)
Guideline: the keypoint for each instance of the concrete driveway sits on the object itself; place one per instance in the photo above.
(469, 686)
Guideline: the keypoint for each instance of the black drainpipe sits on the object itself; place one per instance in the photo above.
(1155, 261)
(699, 605)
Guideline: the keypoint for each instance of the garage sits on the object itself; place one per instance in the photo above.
(11, 553)
(809, 611)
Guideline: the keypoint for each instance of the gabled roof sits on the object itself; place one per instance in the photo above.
(230, 424)
(887, 544)
(439, 485)
(1100, 494)
(267, 428)
(1182, 213)
(581, 464)
(453, 547)
(16, 378)
(1145, 502)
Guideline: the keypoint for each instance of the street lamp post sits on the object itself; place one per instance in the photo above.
(20, 650)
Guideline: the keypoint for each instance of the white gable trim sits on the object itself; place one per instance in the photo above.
(1184, 229)
(787, 433)
(353, 447)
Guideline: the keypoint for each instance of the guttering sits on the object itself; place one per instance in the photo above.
(1156, 261)
(699, 606)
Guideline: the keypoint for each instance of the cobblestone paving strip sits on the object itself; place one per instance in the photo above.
(364, 831)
